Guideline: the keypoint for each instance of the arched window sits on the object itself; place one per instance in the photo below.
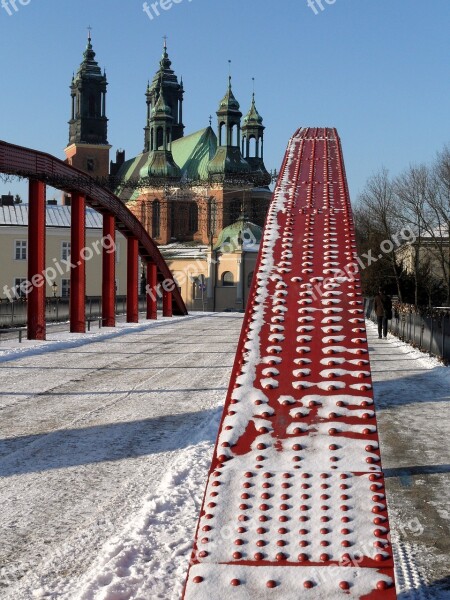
(227, 278)
(249, 279)
(159, 138)
(234, 137)
(222, 142)
(156, 219)
(252, 148)
(193, 217)
(212, 214)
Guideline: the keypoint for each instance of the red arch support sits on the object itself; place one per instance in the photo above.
(295, 504)
(43, 169)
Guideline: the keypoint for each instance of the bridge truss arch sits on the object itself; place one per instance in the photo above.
(42, 169)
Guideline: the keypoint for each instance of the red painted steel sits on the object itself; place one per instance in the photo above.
(25, 162)
(109, 271)
(152, 298)
(36, 262)
(78, 271)
(295, 502)
(167, 303)
(132, 281)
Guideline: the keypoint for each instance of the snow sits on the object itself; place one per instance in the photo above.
(102, 483)
(106, 442)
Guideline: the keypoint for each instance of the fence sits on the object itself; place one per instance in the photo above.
(430, 333)
(14, 314)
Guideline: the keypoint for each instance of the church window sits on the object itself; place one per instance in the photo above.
(234, 210)
(227, 279)
(212, 215)
(156, 219)
(193, 218)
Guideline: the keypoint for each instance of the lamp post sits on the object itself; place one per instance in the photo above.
(54, 288)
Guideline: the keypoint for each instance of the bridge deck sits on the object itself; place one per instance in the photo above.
(295, 499)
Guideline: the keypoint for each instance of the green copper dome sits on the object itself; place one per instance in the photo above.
(241, 235)
(160, 164)
(161, 108)
(253, 117)
(228, 102)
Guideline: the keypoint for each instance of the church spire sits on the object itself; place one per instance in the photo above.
(160, 161)
(165, 79)
(253, 143)
(228, 158)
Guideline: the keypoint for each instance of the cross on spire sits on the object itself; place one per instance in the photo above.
(165, 41)
(89, 34)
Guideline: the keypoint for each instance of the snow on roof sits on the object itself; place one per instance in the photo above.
(187, 250)
(56, 216)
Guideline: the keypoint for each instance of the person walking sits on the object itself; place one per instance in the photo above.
(383, 310)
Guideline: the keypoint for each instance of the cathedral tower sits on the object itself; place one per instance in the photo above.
(166, 80)
(88, 147)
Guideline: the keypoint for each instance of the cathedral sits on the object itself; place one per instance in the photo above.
(186, 189)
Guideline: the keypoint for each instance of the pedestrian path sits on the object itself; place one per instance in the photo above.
(412, 397)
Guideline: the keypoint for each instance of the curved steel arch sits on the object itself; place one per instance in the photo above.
(33, 164)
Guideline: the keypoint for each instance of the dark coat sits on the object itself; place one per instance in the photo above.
(383, 306)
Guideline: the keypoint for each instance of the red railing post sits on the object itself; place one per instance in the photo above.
(151, 291)
(167, 303)
(77, 259)
(36, 261)
(108, 270)
(132, 281)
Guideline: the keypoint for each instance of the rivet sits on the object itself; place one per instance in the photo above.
(198, 579)
(382, 585)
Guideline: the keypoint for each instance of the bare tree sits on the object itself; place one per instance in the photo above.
(411, 190)
(379, 202)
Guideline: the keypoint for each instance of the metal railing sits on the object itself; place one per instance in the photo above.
(14, 314)
(428, 330)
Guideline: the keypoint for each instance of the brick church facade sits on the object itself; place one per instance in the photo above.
(183, 188)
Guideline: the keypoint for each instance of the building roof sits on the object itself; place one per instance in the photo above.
(191, 153)
(56, 216)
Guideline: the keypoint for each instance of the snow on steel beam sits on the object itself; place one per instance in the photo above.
(295, 502)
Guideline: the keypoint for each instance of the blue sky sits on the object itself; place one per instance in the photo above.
(377, 70)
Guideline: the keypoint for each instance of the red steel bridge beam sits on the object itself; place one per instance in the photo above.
(77, 259)
(167, 303)
(295, 504)
(152, 298)
(36, 261)
(43, 169)
(132, 281)
(109, 271)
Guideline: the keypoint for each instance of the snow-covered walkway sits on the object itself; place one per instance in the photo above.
(106, 440)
